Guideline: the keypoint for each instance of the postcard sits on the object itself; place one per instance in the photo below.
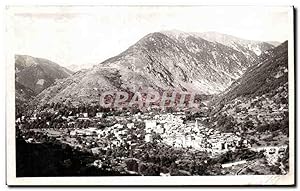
(150, 95)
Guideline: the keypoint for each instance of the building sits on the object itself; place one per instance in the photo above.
(73, 133)
(29, 140)
(117, 126)
(97, 163)
(99, 114)
(150, 124)
(33, 117)
(96, 150)
(148, 138)
(18, 120)
(71, 117)
(82, 115)
(88, 132)
(188, 141)
(130, 125)
(197, 122)
(159, 129)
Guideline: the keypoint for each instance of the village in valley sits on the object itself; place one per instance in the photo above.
(157, 143)
(151, 94)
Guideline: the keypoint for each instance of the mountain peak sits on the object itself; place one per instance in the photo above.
(248, 47)
(166, 60)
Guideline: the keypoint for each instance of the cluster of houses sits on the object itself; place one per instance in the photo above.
(70, 118)
(117, 133)
(85, 132)
(175, 132)
(160, 124)
(272, 153)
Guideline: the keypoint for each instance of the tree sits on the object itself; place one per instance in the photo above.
(173, 169)
(108, 153)
(249, 124)
(132, 165)
(152, 170)
(142, 168)
(275, 169)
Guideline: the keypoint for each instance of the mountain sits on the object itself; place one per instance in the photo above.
(22, 93)
(76, 68)
(169, 60)
(251, 49)
(264, 77)
(23, 96)
(260, 96)
(274, 43)
(37, 74)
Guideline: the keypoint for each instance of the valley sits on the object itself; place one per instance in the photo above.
(240, 125)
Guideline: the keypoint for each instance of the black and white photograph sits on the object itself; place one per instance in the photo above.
(150, 95)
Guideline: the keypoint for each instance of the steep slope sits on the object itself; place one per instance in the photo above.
(259, 97)
(160, 60)
(251, 49)
(37, 74)
(23, 96)
(274, 43)
(263, 77)
(22, 93)
(187, 63)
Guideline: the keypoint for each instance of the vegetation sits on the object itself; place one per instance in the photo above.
(53, 158)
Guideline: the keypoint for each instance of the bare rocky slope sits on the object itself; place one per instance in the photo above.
(252, 49)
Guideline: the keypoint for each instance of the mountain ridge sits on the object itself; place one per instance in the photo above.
(160, 61)
(259, 99)
(36, 74)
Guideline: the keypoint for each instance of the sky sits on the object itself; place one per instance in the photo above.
(90, 35)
